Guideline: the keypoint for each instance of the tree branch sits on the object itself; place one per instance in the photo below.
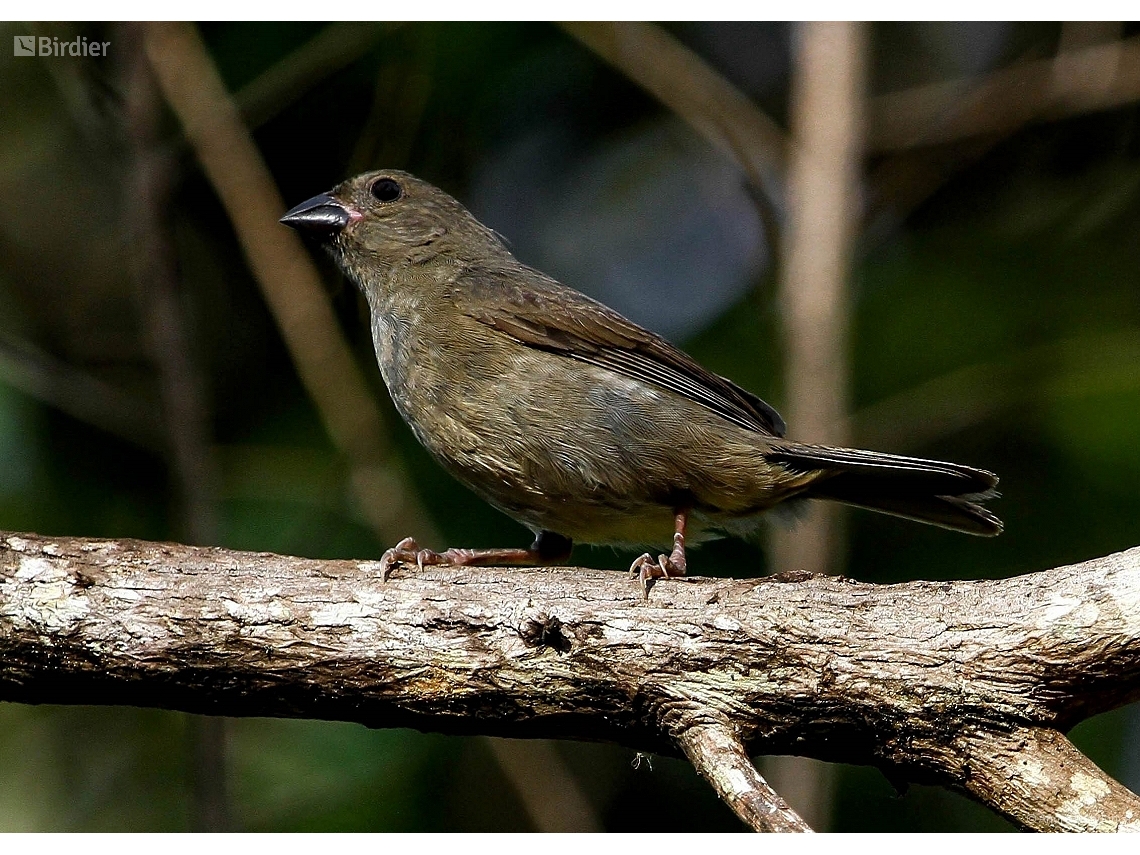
(720, 758)
(1035, 771)
(964, 684)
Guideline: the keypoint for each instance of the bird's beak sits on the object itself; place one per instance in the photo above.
(322, 215)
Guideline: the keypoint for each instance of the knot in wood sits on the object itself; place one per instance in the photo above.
(544, 630)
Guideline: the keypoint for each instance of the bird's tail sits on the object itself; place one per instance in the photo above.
(929, 491)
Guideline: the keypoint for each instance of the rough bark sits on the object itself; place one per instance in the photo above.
(965, 684)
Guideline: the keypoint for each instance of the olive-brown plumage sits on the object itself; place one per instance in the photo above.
(568, 417)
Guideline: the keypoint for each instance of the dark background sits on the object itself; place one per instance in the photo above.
(995, 317)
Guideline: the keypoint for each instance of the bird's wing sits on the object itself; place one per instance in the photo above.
(539, 312)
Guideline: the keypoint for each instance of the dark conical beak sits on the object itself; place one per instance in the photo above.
(321, 216)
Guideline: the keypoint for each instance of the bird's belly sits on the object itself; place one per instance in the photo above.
(568, 447)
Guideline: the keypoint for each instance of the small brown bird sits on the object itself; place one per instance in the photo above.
(571, 419)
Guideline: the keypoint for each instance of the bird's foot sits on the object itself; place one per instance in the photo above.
(646, 569)
(407, 551)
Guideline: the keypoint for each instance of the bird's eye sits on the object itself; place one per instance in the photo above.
(386, 190)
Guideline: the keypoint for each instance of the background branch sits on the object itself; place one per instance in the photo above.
(336, 46)
(700, 96)
(1074, 82)
(287, 277)
(77, 393)
(181, 383)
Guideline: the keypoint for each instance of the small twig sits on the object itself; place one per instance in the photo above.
(977, 114)
(1072, 368)
(84, 92)
(399, 99)
(722, 761)
(899, 184)
(182, 387)
(688, 86)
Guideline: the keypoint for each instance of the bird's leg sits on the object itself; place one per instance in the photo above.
(673, 564)
(548, 548)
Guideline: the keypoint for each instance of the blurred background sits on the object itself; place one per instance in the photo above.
(923, 238)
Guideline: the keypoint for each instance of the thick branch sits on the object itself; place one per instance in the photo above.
(898, 676)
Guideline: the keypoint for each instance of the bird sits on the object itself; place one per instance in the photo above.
(572, 419)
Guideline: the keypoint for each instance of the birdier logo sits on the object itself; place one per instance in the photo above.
(51, 46)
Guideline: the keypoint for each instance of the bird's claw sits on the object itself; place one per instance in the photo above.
(408, 551)
(646, 568)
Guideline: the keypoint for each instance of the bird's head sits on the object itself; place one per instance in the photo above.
(389, 216)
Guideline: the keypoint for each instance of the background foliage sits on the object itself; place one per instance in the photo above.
(996, 323)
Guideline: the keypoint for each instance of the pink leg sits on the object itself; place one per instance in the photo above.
(673, 564)
(548, 548)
